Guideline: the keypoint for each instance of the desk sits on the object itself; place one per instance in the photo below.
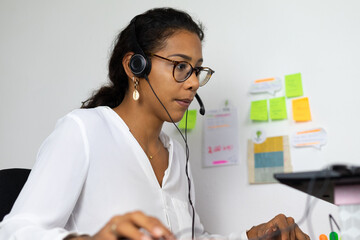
(340, 185)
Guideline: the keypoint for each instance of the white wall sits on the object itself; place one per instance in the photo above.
(53, 54)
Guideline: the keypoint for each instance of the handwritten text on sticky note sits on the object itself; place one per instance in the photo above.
(310, 138)
(293, 85)
(301, 109)
(270, 85)
(277, 108)
(259, 110)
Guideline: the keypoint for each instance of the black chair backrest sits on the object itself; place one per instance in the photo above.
(11, 182)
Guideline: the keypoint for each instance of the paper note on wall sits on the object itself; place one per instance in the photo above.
(293, 85)
(259, 136)
(259, 111)
(265, 159)
(301, 109)
(191, 120)
(278, 108)
(270, 85)
(310, 138)
(221, 138)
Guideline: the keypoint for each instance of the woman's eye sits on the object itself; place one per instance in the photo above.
(182, 67)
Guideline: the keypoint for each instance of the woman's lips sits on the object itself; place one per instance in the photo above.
(184, 102)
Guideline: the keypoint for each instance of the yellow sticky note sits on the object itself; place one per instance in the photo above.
(301, 109)
(259, 111)
(278, 108)
(293, 85)
(191, 120)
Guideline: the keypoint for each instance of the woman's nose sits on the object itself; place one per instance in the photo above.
(192, 82)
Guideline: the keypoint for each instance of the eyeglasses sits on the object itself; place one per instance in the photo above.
(183, 70)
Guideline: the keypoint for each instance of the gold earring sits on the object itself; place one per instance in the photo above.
(136, 94)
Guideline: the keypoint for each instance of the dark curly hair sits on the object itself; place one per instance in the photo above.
(153, 28)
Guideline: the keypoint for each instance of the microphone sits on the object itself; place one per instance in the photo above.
(202, 107)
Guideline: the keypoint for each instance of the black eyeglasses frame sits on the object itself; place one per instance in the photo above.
(193, 69)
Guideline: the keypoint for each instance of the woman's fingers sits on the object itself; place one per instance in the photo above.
(127, 230)
(291, 227)
(300, 235)
(281, 222)
(135, 225)
(138, 226)
(280, 228)
(152, 225)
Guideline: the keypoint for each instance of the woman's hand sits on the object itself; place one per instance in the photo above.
(134, 225)
(278, 228)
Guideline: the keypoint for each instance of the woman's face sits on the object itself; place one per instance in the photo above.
(176, 97)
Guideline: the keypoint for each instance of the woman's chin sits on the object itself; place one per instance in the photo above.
(176, 116)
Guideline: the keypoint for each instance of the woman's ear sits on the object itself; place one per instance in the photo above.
(125, 63)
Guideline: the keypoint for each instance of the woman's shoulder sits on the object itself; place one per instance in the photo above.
(85, 116)
(87, 112)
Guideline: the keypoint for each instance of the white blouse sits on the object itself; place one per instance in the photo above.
(90, 169)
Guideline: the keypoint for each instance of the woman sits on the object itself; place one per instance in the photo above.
(108, 171)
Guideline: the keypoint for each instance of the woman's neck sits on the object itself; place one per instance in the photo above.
(145, 127)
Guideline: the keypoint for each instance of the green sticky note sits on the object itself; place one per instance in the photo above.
(191, 120)
(293, 85)
(278, 108)
(259, 111)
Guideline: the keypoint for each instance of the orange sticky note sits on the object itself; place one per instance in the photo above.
(301, 109)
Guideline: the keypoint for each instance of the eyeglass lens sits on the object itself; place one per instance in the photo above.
(204, 76)
(183, 70)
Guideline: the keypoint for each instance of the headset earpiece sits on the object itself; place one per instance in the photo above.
(139, 65)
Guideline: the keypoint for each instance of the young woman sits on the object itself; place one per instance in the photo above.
(108, 171)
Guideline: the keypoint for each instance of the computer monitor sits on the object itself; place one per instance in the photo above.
(338, 184)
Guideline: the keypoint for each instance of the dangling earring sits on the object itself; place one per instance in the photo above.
(136, 94)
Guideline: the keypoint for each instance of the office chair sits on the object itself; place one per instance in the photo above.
(11, 182)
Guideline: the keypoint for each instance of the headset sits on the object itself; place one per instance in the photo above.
(140, 66)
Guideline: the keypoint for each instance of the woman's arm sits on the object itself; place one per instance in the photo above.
(47, 200)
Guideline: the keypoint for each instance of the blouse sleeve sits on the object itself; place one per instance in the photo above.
(53, 187)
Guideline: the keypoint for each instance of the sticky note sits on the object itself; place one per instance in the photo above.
(301, 109)
(293, 85)
(277, 108)
(191, 120)
(310, 138)
(270, 85)
(259, 111)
